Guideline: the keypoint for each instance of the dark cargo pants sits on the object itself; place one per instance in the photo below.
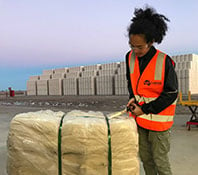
(153, 149)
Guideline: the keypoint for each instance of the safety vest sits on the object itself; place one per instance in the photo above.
(148, 87)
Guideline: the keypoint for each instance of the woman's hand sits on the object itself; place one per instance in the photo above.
(134, 108)
(131, 102)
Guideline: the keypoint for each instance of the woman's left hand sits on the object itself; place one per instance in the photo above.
(136, 110)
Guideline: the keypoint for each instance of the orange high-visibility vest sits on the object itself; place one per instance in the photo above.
(148, 87)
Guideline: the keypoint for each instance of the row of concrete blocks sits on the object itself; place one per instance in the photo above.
(187, 65)
(185, 58)
(187, 73)
(98, 85)
(101, 85)
(187, 84)
(79, 74)
(187, 80)
(183, 61)
(186, 61)
(84, 68)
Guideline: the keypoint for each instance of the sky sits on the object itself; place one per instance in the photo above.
(46, 34)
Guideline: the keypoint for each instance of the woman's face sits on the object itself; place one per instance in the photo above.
(139, 45)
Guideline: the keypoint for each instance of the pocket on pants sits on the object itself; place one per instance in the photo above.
(163, 141)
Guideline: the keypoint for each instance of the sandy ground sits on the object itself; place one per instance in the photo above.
(184, 143)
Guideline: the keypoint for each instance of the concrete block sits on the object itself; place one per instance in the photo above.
(45, 77)
(42, 87)
(121, 70)
(34, 77)
(178, 66)
(194, 57)
(121, 84)
(61, 70)
(110, 66)
(179, 84)
(73, 74)
(58, 75)
(178, 73)
(56, 86)
(70, 86)
(92, 67)
(105, 85)
(92, 73)
(194, 65)
(48, 72)
(107, 72)
(75, 69)
(187, 85)
(182, 85)
(31, 87)
(87, 86)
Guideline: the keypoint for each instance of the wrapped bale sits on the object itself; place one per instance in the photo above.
(86, 148)
(90, 144)
(124, 143)
(84, 144)
(32, 143)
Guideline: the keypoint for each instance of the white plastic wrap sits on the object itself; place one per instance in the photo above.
(33, 144)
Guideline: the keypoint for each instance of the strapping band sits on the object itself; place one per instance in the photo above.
(109, 145)
(59, 147)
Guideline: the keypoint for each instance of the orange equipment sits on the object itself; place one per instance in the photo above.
(192, 105)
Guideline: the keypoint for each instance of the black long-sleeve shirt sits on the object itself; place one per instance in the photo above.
(170, 90)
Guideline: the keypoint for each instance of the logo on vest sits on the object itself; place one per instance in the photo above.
(148, 83)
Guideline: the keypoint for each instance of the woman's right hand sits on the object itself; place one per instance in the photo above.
(131, 104)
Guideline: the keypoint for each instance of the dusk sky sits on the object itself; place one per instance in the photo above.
(48, 34)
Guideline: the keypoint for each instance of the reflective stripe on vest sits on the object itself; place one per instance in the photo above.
(147, 88)
(170, 110)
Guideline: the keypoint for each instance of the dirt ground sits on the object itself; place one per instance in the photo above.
(184, 143)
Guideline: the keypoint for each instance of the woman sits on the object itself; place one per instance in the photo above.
(152, 85)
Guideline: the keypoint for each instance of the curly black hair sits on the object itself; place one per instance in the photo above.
(149, 23)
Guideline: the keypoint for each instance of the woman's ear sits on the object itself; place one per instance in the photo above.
(151, 43)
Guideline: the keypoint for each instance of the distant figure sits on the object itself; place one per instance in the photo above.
(6, 93)
(12, 93)
(153, 89)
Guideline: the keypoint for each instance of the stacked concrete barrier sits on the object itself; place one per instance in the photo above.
(43, 84)
(56, 84)
(70, 83)
(87, 86)
(48, 72)
(32, 85)
(105, 84)
(121, 84)
(187, 71)
(61, 70)
(73, 74)
(106, 79)
(92, 73)
(76, 143)
(92, 67)
(110, 66)
(121, 81)
(76, 69)
(87, 82)
(70, 86)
